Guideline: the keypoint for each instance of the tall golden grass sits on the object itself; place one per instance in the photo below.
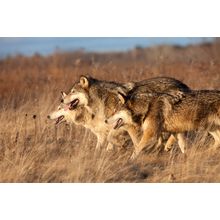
(33, 149)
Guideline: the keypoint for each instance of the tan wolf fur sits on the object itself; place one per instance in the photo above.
(145, 116)
(80, 115)
(101, 100)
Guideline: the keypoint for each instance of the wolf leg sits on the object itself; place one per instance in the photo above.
(216, 136)
(112, 140)
(181, 142)
(171, 140)
(159, 142)
(110, 146)
(148, 138)
(100, 142)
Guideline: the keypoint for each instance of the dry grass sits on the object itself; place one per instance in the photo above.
(32, 149)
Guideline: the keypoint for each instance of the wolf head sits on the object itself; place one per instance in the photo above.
(79, 94)
(122, 117)
(62, 114)
(79, 115)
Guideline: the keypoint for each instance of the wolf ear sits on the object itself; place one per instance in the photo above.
(63, 94)
(121, 91)
(84, 81)
(121, 97)
(129, 85)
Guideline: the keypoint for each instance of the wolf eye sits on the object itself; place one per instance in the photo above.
(59, 108)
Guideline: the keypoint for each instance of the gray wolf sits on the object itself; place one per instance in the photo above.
(146, 115)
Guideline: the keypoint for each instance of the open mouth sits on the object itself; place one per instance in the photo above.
(73, 104)
(119, 123)
(59, 120)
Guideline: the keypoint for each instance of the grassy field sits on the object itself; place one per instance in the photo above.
(33, 149)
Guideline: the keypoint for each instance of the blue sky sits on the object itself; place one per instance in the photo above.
(44, 46)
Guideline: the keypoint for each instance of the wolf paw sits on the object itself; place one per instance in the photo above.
(109, 147)
(133, 156)
(167, 148)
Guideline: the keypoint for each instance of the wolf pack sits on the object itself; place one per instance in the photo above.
(140, 112)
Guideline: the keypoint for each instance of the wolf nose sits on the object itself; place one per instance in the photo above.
(48, 117)
(106, 121)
